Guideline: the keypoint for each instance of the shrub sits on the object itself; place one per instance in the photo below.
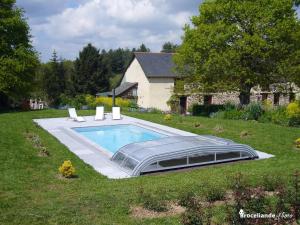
(267, 105)
(90, 101)
(155, 110)
(66, 169)
(233, 114)
(154, 203)
(293, 110)
(271, 183)
(252, 111)
(229, 106)
(168, 117)
(279, 116)
(192, 217)
(187, 198)
(297, 142)
(215, 194)
(206, 110)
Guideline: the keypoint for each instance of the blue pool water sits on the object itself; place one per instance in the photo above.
(116, 136)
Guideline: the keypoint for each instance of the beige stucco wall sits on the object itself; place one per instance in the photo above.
(135, 73)
(160, 92)
(152, 92)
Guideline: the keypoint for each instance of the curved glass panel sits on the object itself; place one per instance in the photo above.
(173, 162)
(119, 157)
(227, 155)
(150, 167)
(201, 158)
(130, 164)
(245, 154)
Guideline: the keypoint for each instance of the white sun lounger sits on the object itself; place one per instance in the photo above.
(99, 113)
(116, 113)
(73, 115)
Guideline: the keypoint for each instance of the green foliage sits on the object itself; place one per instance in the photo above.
(173, 102)
(206, 110)
(91, 72)
(187, 198)
(168, 117)
(252, 111)
(192, 217)
(214, 193)
(169, 47)
(297, 142)
(157, 203)
(77, 102)
(234, 45)
(143, 48)
(18, 59)
(271, 183)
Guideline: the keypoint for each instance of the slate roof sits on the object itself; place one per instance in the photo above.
(124, 87)
(156, 64)
(119, 90)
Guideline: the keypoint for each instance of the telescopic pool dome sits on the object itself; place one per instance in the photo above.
(178, 152)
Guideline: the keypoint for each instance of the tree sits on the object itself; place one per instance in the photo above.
(54, 79)
(236, 45)
(169, 47)
(91, 72)
(18, 59)
(143, 48)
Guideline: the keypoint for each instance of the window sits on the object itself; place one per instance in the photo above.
(173, 162)
(276, 98)
(134, 92)
(227, 155)
(201, 158)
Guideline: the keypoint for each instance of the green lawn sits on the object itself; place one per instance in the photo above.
(31, 192)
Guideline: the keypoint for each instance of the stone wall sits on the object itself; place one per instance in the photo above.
(221, 98)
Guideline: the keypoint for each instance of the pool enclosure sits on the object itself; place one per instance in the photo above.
(179, 151)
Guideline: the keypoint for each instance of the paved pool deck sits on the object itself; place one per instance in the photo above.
(93, 154)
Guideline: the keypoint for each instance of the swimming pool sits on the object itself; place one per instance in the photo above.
(113, 137)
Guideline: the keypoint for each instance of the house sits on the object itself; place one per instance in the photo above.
(149, 79)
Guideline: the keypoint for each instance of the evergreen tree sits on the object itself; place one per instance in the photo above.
(91, 72)
(169, 47)
(143, 48)
(54, 80)
(18, 59)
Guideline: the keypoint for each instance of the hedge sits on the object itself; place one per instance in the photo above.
(206, 110)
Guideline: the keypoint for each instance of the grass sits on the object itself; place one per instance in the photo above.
(32, 193)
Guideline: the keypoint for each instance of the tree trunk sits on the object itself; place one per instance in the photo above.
(245, 95)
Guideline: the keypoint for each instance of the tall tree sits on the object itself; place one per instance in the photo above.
(143, 48)
(91, 72)
(169, 47)
(18, 59)
(54, 80)
(236, 45)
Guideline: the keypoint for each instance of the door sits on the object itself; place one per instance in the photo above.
(183, 103)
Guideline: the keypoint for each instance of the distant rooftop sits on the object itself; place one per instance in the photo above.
(156, 64)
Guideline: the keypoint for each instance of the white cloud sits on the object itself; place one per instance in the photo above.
(110, 24)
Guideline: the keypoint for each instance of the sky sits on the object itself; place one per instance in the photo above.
(66, 26)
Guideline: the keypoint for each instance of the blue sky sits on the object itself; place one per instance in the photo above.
(68, 25)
